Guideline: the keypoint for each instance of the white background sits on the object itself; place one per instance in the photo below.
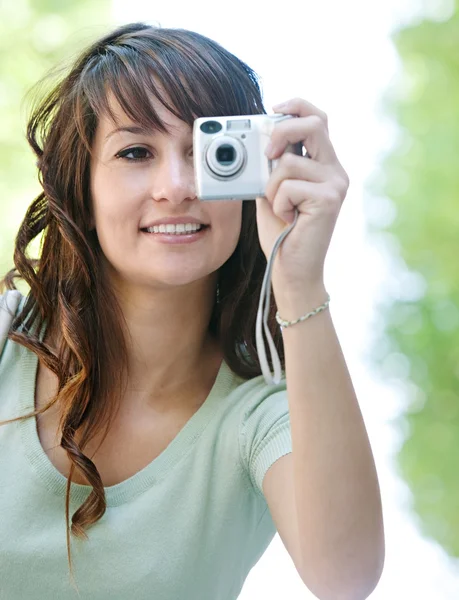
(338, 55)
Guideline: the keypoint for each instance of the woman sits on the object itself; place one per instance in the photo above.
(130, 384)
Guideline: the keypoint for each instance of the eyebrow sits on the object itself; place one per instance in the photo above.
(135, 129)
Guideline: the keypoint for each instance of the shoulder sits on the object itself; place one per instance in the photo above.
(12, 357)
(9, 301)
(9, 304)
(261, 401)
(253, 399)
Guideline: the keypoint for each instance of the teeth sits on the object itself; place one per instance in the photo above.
(180, 228)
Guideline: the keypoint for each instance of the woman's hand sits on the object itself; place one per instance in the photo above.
(315, 185)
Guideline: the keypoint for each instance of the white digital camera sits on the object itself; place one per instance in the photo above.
(229, 156)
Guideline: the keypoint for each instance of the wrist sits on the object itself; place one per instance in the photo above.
(292, 304)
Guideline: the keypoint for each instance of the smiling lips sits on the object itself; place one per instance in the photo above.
(179, 228)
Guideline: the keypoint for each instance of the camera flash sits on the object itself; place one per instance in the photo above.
(238, 125)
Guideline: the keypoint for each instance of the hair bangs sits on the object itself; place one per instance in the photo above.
(183, 75)
(116, 82)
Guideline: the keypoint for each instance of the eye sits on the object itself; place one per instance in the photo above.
(137, 153)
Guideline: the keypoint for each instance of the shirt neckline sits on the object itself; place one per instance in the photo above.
(152, 473)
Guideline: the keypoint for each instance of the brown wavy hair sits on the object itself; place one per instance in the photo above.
(67, 292)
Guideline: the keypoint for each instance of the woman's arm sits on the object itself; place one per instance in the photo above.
(324, 497)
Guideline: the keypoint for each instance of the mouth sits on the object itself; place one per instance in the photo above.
(179, 229)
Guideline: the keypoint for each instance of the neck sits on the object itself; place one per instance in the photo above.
(169, 344)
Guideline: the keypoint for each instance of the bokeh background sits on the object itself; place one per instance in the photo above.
(387, 74)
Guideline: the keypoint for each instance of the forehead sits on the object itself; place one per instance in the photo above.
(161, 119)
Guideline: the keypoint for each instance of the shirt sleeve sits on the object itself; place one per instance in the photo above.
(265, 431)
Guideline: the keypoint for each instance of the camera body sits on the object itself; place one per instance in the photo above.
(229, 155)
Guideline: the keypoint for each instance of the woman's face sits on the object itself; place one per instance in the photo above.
(145, 207)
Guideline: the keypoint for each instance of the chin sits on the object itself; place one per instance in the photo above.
(176, 280)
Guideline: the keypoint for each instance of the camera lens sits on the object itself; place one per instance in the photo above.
(211, 127)
(225, 154)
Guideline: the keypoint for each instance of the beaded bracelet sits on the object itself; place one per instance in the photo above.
(283, 323)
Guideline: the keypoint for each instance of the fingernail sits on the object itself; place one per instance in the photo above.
(280, 106)
(269, 151)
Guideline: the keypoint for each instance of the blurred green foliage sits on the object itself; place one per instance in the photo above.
(35, 36)
(421, 178)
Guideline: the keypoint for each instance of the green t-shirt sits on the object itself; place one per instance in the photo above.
(189, 526)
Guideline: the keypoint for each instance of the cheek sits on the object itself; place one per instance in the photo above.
(228, 216)
(102, 191)
(227, 222)
(114, 195)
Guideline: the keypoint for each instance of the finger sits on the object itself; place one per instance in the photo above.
(292, 166)
(307, 197)
(301, 108)
(310, 131)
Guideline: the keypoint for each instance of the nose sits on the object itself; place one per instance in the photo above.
(173, 180)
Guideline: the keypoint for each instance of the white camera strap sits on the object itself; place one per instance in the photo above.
(263, 315)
